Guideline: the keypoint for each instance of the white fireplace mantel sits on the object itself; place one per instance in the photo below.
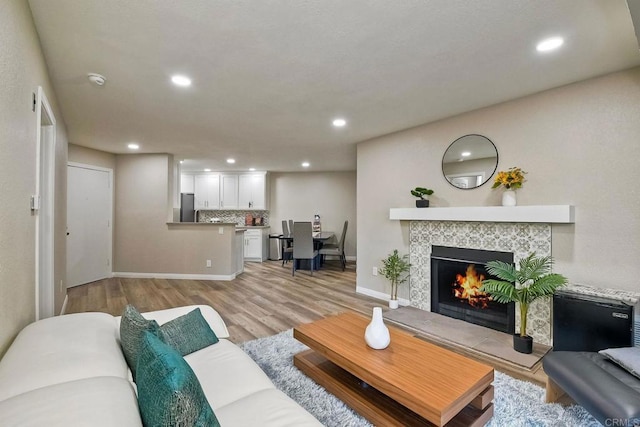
(550, 214)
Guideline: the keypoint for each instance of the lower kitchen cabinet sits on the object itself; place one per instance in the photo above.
(256, 244)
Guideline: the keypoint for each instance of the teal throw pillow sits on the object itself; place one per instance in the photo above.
(169, 393)
(132, 326)
(188, 333)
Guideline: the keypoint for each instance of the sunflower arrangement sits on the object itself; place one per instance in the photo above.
(510, 179)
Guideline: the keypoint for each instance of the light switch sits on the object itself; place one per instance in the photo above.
(220, 230)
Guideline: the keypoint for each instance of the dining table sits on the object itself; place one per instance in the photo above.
(319, 238)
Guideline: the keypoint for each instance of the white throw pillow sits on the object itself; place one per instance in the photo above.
(627, 357)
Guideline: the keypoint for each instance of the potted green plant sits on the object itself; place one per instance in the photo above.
(422, 192)
(395, 268)
(532, 280)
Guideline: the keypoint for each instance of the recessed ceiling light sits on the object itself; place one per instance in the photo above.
(465, 154)
(305, 164)
(133, 146)
(182, 81)
(339, 123)
(207, 170)
(181, 161)
(231, 161)
(549, 44)
(252, 169)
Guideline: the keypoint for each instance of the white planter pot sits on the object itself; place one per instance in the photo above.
(393, 304)
(509, 198)
(377, 334)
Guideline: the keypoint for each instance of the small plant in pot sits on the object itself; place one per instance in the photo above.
(423, 194)
(532, 280)
(395, 268)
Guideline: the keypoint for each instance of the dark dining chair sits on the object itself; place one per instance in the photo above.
(303, 245)
(287, 246)
(336, 250)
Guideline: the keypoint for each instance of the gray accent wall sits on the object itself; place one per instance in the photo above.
(144, 243)
(579, 144)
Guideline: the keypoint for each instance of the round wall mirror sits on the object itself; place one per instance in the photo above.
(470, 161)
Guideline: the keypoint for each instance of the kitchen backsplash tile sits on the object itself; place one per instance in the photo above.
(232, 216)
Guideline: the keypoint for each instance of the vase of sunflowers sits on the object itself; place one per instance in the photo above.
(510, 180)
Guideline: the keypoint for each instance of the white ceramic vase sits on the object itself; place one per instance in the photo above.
(393, 304)
(377, 334)
(509, 198)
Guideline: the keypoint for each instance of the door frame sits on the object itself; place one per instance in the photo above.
(43, 206)
(111, 211)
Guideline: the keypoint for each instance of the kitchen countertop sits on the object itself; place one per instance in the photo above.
(242, 227)
(203, 223)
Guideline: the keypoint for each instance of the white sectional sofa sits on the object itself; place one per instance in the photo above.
(70, 371)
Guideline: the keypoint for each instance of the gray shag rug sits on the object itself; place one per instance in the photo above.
(516, 403)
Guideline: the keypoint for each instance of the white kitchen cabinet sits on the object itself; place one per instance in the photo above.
(229, 191)
(252, 191)
(256, 243)
(187, 183)
(207, 191)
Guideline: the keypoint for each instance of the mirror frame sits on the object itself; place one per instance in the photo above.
(495, 168)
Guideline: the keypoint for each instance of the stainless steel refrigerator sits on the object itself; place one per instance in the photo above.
(187, 212)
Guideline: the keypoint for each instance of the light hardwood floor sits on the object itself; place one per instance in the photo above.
(262, 301)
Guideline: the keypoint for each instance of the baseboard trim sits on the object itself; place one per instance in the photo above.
(379, 295)
(129, 275)
(64, 305)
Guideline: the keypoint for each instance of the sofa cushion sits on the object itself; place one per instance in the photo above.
(132, 327)
(60, 349)
(169, 393)
(226, 373)
(188, 333)
(604, 389)
(627, 357)
(96, 402)
(266, 408)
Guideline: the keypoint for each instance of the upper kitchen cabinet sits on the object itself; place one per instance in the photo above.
(229, 191)
(187, 183)
(207, 191)
(252, 191)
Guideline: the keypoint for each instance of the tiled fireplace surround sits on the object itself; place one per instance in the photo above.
(519, 238)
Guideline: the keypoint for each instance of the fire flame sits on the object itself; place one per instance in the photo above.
(467, 288)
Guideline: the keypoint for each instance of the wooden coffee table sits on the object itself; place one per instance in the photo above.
(410, 383)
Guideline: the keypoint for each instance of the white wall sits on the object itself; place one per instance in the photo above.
(301, 195)
(580, 144)
(23, 69)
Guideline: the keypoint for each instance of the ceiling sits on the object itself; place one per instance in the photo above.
(269, 77)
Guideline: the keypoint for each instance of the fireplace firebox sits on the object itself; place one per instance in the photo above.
(456, 278)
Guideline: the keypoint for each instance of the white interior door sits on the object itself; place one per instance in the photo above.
(89, 213)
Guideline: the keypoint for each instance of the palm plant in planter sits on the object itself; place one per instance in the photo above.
(531, 281)
(395, 269)
(422, 192)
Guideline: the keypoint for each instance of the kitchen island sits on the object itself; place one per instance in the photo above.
(188, 250)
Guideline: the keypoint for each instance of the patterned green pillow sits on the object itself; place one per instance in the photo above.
(132, 326)
(169, 393)
(188, 333)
